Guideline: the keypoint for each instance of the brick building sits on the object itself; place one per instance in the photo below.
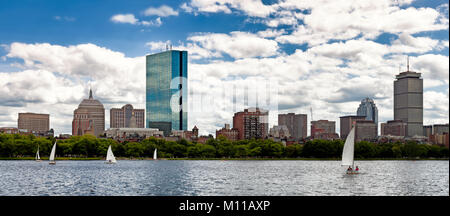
(252, 123)
(33, 122)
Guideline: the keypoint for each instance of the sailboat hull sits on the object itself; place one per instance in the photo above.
(52, 163)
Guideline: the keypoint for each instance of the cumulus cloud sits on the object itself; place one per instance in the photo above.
(125, 18)
(162, 11)
(255, 8)
(56, 78)
(131, 19)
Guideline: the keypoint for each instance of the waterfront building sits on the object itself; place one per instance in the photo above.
(346, 124)
(132, 134)
(408, 101)
(229, 133)
(296, 124)
(89, 117)
(185, 134)
(368, 109)
(365, 130)
(121, 118)
(427, 131)
(393, 128)
(324, 129)
(33, 122)
(252, 123)
(440, 128)
(279, 131)
(166, 91)
(9, 130)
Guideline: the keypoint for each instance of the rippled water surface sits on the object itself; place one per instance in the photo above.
(272, 178)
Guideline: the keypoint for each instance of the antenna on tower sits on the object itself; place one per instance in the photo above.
(407, 63)
(310, 108)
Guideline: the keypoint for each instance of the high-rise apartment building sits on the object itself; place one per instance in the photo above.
(368, 109)
(252, 123)
(408, 101)
(393, 128)
(122, 118)
(323, 129)
(296, 124)
(33, 122)
(365, 130)
(89, 117)
(166, 91)
(346, 124)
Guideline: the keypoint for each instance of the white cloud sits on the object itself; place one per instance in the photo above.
(253, 8)
(131, 19)
(124, 18)
(236, 44)
(162, 11)
(409, 44)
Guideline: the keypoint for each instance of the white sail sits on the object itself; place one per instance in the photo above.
(349, 149)
(110, 156)
(154, 155)
(37, 154)
(52, 154)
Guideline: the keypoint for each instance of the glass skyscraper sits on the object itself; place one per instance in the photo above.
(368, 109)
(166, 91)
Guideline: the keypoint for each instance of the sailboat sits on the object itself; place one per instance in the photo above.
(154, 155)
(52, 155)
(348, 152)
(110, 159)
(38, 158)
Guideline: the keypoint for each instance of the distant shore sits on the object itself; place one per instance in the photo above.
(306, 159)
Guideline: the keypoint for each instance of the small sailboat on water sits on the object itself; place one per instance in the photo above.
(110, 159)
(52, 155)
(348, 153)
(155, 155)
(38, 158)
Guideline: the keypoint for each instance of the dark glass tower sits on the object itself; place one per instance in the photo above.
(166, 91)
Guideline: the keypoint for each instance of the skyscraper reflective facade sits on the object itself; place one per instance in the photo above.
(166, 91)
(368, 109)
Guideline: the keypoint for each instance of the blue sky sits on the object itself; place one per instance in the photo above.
(296, 43)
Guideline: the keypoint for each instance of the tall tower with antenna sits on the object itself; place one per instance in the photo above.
(408, 101)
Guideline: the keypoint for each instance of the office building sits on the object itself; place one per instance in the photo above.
(89, 117)
(296, 124)
(166, 91)
(324, 129)
(368, 109)
(252, 123)
(33, 122)
(346, 124)
(365, 130)
(121, 118)
(408, 101)
(393, 128)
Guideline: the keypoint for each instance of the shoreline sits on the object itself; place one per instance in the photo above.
(226, 159)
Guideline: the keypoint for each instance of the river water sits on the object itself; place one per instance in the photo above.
(223, 178)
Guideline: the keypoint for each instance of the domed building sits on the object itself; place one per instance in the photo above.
(89, 118)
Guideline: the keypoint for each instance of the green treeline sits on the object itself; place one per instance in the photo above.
(13, 146)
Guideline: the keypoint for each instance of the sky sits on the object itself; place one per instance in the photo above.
(324, 56)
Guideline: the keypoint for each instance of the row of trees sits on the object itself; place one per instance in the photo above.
(90, 146)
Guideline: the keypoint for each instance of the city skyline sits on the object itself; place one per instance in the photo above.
(327, 68)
